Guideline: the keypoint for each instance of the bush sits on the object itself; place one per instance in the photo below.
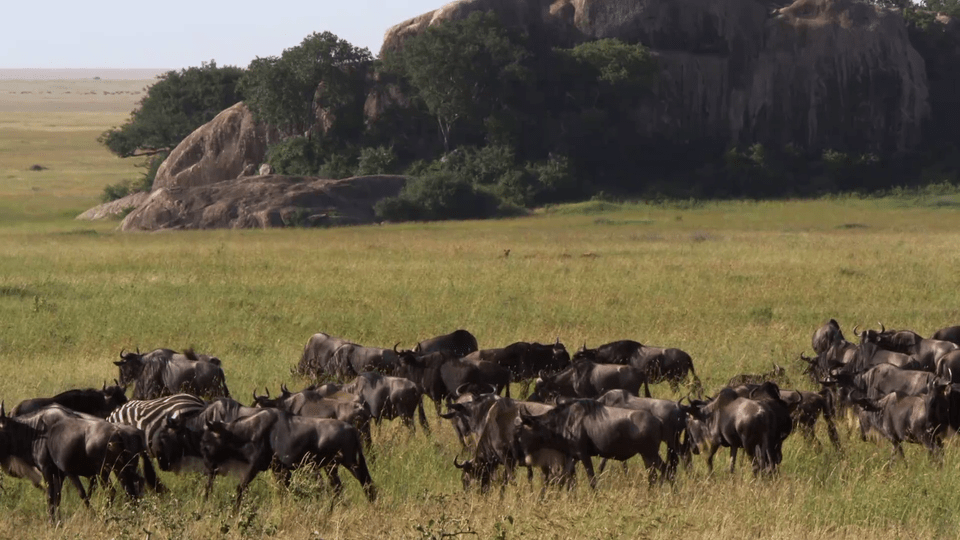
(297, 156)
(438, 196)
(338, 166)
(121, 189)
(379, 160)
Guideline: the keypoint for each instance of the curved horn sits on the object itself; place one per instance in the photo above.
(858, 334)
(882, 328)
(255, 397)
(267, 389)
(458, 465)
(558, 341)
(806, 359)
(3, 410)
(395, 345)
(138, 351)
(456, 393)
(283, 388)
(121, 352)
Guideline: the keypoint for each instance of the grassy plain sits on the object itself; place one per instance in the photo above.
(739, 285)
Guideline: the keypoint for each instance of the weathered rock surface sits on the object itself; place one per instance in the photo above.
(114, 208)
(219, 150)
(264, 201)
(819, 73)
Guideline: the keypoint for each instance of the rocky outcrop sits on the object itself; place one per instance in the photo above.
(264, 201)
(221, 149)
(115, 208)
(818, 73)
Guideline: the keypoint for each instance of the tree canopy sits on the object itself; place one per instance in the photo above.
(174, 106)
(322, 72)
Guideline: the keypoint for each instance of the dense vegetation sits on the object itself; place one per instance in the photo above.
(510, 122)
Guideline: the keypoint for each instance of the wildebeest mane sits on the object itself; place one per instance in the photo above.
(150, 381)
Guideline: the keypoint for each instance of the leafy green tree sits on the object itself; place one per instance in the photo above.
(323, 73)
(461, 70)
(174, 106)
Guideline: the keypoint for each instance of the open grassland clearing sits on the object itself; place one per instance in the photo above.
(739, 285)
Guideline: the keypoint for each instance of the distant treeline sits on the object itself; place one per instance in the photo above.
(490, 121)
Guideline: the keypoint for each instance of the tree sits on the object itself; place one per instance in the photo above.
(324, 73)
(177, 104)
(460, 69)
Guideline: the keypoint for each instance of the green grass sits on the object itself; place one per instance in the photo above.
(739, 285)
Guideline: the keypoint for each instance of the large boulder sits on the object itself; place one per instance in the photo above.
(817, 73)
(219, 150)
(115, 208)
(264, 201)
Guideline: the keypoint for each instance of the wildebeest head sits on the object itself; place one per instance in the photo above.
(561, 358)
(265, 401)
(168, 443)
(131, 366)
(585, 354)
(114, 396)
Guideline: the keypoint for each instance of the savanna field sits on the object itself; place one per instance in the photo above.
(738, 285)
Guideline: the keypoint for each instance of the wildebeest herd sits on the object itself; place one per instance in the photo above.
(596, 404)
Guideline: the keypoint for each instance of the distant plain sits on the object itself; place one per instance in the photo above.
(740, 285)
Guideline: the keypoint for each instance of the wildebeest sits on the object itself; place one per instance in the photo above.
(583, 428)
(286, 441)
(62, 444)
(439, 375)
(736, 422)
(657, 363)
(672, 418)
(459, 342)
(99, 403)
(163, 372)
(884, 379)
(920, 419)
(350, 359)
(950, 333)
(310, 403)
(926, 351)
(827, 336)
(316, 361)
(389, 397)
(526, 360)
(586, 379)
(768, 393)
(805, 408)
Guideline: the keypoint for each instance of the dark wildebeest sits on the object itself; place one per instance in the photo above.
(284, 441)
(389, 397)
(163, 372)
(950, 333)
(62, 444)
(350, 360)
(493, 374)
(920, 419)
(583, 428)
(586, 379)
(99, 403)
(926, 351)
(526, 360)
(344, 407)
(316, 361)
(459, 342)
(440, 375)
(657, 363)
(827, 336)
(736, 422)
(805, 407)
(671, 415)
(768, 393)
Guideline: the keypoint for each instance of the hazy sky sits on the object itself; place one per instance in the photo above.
(175, 34)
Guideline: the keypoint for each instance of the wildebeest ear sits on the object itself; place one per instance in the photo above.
(526, 420)
(3, 410)
(448, 415)
(120, 363)
(417, 350)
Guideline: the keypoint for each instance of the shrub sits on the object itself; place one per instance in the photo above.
(338, 166)
(299, 156)
(438, 196)
(379, 160)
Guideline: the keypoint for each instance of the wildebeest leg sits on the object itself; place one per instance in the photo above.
(248, 476)
(832, 432)
(209, 487)
(733, 458)
(603, 464)
(150, 475)
(84, 495)
(588, 466)
(54, 479)
(334, 479)
(710, 454)
(423, 416)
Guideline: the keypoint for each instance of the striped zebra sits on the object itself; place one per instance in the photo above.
(148, 415)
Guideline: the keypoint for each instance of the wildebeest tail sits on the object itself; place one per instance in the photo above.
(646, 388)
(361, 471)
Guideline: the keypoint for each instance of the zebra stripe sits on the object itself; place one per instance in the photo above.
(148, 415)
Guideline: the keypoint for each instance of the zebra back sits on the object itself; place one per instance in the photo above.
(148, 415)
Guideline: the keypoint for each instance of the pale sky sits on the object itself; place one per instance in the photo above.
(175, 34)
